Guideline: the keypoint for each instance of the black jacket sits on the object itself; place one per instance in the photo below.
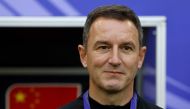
(141, 104)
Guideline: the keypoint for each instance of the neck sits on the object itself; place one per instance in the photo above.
(104, 97)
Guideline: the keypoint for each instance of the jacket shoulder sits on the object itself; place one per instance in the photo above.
(76, 104)
(142, 104)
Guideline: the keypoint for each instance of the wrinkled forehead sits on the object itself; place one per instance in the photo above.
(113, 29)
(105, 25)
(101, 21)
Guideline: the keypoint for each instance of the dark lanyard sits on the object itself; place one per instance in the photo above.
(87, 104)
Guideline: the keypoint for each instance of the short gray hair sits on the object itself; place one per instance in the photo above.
(119, 12)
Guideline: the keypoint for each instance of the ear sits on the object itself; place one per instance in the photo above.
(142, 53)
(82, 54)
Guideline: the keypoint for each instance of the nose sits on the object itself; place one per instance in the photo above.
(114, 59)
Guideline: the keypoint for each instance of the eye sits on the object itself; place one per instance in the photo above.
(103, 47)
(127, 48)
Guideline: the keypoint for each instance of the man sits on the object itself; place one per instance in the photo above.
(112, 52)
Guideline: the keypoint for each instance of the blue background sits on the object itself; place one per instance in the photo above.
(176, 12)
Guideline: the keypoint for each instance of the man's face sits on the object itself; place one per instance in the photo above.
(113, 54)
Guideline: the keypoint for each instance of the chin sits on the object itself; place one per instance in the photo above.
(113, 88)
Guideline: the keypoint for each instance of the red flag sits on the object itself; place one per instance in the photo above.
(40, 96)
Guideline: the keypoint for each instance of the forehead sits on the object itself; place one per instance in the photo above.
(113, 29)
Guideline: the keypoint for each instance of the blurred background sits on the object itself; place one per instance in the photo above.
(30, 56)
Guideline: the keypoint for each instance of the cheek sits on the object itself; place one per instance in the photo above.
(131, 67)
(131, 62)
(97, 60)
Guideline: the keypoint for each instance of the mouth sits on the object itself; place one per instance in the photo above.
(114, 72)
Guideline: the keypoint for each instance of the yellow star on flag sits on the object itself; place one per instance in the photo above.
(20, 97)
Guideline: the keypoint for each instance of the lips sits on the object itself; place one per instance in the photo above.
(114, 72)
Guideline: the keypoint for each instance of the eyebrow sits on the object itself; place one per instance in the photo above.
(128, 43)
(101, 43)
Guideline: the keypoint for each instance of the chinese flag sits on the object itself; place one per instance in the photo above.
(41, 96)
